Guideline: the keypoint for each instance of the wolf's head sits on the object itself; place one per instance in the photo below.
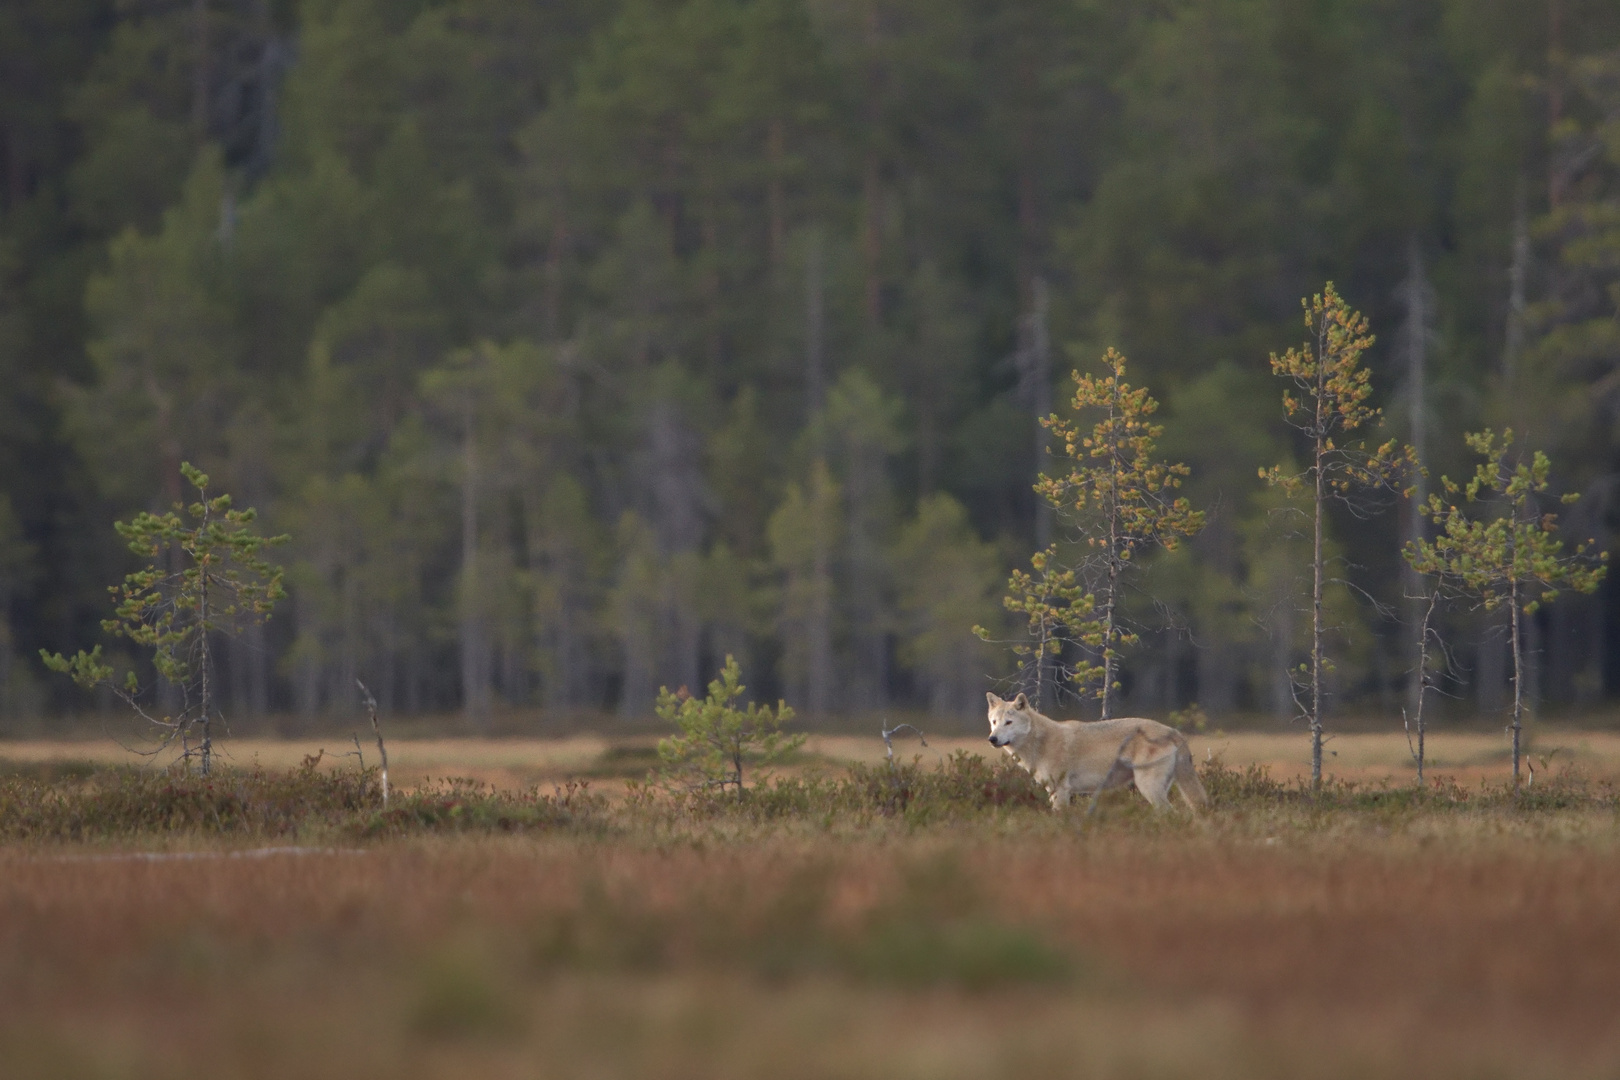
(1009, 720)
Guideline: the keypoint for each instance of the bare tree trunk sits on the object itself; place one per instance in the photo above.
(1316, 586)
(7, 704)
(819, 660)
(775, 204)
(1426, 624)
(1110, 599)
(1417, 296)
(1556, 178)
(205, 666)
(815, 364)
(382, 748)
(1518, 675)
(1518, 273)
(871, 178)
(199, 74)
(1035, 373)
(474, 646)
(819, 632)
(551, 297)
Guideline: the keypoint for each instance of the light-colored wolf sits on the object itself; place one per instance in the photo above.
(1071, 757)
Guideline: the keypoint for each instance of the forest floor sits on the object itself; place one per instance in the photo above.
(1463, 934)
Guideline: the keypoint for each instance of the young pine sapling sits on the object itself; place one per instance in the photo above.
(1327, 403)
(204, 575)
(1510, 557)
(717, 739)
(1119, 502)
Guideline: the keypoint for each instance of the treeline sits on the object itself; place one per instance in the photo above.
(578, 345)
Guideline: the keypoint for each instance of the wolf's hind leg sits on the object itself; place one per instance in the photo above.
(1187, 782)
(1153, 781)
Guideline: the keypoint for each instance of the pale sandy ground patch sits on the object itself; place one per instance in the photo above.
(1467, 757)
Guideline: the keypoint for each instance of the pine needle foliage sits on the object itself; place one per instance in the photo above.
(717, 739)
(204, 575)
(1326, 402)
(1510, 556)
(1056, 609)
(1120, 502)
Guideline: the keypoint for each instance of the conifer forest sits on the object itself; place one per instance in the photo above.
(577, 345)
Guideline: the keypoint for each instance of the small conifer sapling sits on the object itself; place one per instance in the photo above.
(717, 739)
(1119, 502)
(204, 575)
(1508, 557)
(1327, 403)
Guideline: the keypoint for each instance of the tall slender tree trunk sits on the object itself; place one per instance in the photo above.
(819, 659)
(1518, 275)
(871, 240)
(1518, 675)
(474, 646)
(1416, 296)
(775, 203)
(1035, 371)
(1316, 583)
(1419, 720)
(1111, 595)
(871, 177)
(1556, 178)
(815, 362)
(199, 73)
(205, 661)
(551, 295)
(1110, 662)
(711, 286)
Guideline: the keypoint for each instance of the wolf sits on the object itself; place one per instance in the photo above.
(1071, 757)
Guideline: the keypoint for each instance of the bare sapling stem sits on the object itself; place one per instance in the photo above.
(1326, 401)
(888, 739)
(1512, 555)
(1418, 720)
(1316, 586)
(382, 750)
(1518, 675)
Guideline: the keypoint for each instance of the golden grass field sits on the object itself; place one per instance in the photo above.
(1467, 757)
(1249, 942)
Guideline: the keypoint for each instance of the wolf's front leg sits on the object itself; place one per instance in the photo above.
(1061, 794)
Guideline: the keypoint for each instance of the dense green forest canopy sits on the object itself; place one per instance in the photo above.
(579, 344)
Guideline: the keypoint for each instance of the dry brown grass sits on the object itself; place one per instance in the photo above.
(815, 931)
(514, 763)
(1269, 945)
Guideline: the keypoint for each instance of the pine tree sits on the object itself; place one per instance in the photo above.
(717, 739)
(1327, 403)
(221, 580)
(1120, 504)
(1512, 558)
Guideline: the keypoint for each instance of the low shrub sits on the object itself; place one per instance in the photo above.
(258, 803)
(73, 804)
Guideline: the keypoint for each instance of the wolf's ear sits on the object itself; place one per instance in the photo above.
(991, 699)
(1020, 702)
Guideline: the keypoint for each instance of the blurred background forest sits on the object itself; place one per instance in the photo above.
(579, 343)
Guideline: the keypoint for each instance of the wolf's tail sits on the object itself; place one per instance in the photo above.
(1187, 782)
